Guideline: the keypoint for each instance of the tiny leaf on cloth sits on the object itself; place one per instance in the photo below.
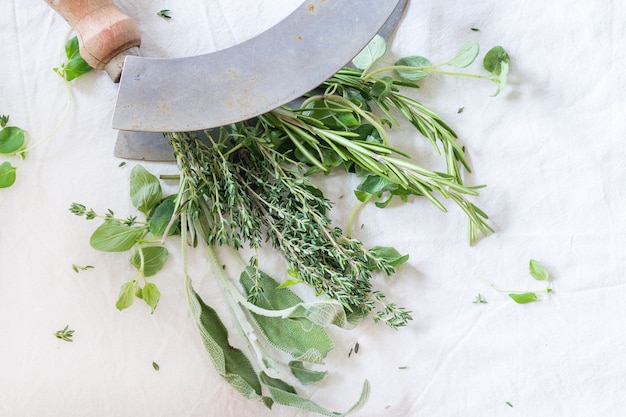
(75, 65)
(538, 271)
(524, 298)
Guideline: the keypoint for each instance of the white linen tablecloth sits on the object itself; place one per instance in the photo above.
(550, 149)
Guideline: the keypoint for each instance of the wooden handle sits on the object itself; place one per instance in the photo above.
(103, 31)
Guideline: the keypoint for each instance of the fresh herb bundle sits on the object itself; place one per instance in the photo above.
(252, 183)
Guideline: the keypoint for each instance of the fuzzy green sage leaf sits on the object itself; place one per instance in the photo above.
(310, 345)
(304, 375)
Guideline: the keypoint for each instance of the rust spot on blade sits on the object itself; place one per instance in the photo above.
(311, 8)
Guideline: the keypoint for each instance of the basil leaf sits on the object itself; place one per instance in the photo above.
(7, 175)
(160, 219)
(413, 61)
(12, 139)
(127, 295)
(375, 49)
(538, 271)
(113, 236)
(145, 189)
(524, 298)
(75, 65)
(154, 257)
(151, 295)
(466, 55)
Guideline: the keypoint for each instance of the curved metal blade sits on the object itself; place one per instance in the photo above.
(253, 77)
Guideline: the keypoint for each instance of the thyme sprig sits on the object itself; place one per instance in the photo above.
(249, 195)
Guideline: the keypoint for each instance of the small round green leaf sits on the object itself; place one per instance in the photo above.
(466, 55)
(416, 63)
(371, 53)
(7, 175)
(12, 139)
(494, 59)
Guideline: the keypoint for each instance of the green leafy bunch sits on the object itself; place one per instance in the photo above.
(143, 239)
(251, 184)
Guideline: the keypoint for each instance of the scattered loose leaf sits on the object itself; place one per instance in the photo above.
(524, 298)
(538, 271)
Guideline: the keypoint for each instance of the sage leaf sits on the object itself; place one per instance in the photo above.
(151, 295)
(538, 271)
(466, 55)
(309, 343)
(7, 175)
(306, 376)
(375, 49)
(145, 189)
(231, 363)
(285, 394)
(127, 295)
(12, 139)
(415, 73)
(154, 257)
(113, 236)
(524, 298)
